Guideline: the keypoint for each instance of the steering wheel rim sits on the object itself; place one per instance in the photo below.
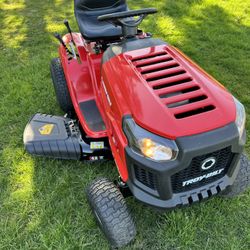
(117, 16)
(126, 21)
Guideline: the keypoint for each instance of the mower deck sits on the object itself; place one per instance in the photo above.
(61, 138)
(52, 136)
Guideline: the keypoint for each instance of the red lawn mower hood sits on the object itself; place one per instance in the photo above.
(166, 93)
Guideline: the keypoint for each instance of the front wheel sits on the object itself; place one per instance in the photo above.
(242, 181)
(111, 212)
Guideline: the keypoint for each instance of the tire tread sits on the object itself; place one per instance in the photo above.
(242, 181)
(107, 201)
(60, 86)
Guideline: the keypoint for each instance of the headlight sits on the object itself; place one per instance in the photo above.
(240, 117)
(149, 145)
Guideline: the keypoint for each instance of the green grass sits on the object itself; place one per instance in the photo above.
(42, 201)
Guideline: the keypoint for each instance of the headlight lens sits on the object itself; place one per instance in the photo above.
(240, 117)
(149, 145)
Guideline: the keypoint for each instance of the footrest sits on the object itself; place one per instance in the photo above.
(52, 136)
(92, 116)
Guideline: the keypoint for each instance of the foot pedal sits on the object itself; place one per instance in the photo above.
(52, 136)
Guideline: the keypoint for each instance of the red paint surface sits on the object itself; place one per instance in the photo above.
(132, 82)
(139, 98)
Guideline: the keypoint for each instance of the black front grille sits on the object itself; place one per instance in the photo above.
(223, 158)
(146, 177)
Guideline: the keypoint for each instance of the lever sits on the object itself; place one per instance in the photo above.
(66, 23)
(59, 38)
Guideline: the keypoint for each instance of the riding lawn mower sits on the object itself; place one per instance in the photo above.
(176, 134)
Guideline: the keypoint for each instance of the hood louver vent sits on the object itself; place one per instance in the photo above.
(173, 84)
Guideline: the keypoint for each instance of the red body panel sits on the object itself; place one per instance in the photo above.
(141, 97)
(83, 79)
(84, 83)
(135, 83)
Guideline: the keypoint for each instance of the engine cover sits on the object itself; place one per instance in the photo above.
(166, 93)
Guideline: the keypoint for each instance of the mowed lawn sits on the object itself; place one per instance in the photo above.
(42, 201)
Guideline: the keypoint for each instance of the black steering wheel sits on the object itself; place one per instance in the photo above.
(125, 20)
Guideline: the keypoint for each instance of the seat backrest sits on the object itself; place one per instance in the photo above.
(97, 4)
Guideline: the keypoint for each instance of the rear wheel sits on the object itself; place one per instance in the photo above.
(111, 212)
(60, 85)
(242, 181)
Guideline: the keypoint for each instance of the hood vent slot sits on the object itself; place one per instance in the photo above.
(163, 74)
(180, 92)
(186, 90)
(150, 58)
(194, 112)
(158, 67)
(173, 82)
(186, 101)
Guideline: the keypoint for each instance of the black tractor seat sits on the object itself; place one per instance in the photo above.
(86, 13)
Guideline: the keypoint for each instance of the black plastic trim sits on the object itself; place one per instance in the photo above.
(189, 147)
(130, 45)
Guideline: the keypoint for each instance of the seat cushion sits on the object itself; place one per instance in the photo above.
(91, 28)
(97, 4)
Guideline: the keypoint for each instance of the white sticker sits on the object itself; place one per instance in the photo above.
(97, 145)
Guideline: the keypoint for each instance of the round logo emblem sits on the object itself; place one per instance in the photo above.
(208, 163)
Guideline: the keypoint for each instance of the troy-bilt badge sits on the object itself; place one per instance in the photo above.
(46, 129)
(200, 178)
(208, 163)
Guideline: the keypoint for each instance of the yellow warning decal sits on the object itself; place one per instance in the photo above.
(97, 145)
(46, 129)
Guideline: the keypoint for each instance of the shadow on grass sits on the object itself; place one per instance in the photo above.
(37, 195)
(44, 200)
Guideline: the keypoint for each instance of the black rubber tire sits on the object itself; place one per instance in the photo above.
(111, 212)
(242, 181)
(60, 85)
